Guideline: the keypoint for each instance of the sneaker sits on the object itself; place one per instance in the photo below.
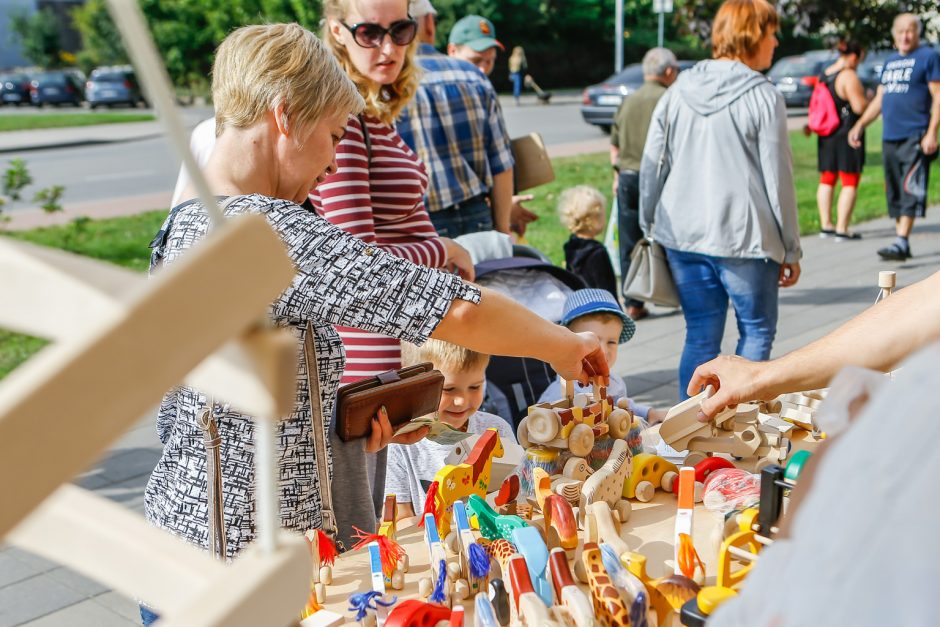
(637, 313)
(894, 253)
(848, 235)
(824, 233)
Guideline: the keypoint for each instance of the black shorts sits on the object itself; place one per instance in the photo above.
(907, 171)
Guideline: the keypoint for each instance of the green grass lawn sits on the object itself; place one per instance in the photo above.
(548, 235)
(33, 121)
(124, 241)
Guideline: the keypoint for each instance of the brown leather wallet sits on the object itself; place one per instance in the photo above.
(406, 394)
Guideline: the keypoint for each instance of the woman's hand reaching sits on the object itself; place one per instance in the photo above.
(382, 434)
(584, 362)
(458, 259)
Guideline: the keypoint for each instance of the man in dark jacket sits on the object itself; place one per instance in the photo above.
(628, 136)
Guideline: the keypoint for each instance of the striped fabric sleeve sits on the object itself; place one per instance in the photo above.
(346, 198)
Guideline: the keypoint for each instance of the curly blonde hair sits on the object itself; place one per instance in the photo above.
(384, 102)
(581, 210)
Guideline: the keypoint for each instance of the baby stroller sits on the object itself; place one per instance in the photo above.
(515, 383)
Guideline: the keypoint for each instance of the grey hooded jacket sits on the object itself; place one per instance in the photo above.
(726, 187)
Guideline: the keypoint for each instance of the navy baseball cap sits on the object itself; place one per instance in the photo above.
(588, 301)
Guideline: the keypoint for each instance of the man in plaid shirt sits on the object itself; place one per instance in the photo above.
(456, 127)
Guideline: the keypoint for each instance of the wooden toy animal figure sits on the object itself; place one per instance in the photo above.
(606, 484)
(609, 608)
(452, 483)
(493, 526)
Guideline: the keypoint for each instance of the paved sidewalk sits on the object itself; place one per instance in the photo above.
(42, 139)
(839, 280)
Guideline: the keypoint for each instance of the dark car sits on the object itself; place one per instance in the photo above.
(56, 88)
(600, 102)
(795, 77)
(869, 70)
(14, 89)
(109, 86)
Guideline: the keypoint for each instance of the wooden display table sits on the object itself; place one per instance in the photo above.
(649, 532)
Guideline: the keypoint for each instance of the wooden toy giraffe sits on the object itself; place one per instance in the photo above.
(454, 482)
(609, 608)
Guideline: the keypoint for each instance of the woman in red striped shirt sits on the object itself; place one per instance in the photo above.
(377, 194)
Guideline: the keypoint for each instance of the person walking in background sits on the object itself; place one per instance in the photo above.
(836, 157)
(909, 97)
(581, 210)
(716, 189)
(628, 136)
(517, 70)
(377, 194)
(455, 125)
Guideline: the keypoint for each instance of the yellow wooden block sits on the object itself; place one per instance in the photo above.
(710, 597)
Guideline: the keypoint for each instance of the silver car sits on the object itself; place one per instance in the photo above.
(109, 86)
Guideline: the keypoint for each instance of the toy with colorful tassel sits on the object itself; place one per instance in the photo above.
(474, 562)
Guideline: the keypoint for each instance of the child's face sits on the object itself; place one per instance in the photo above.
(462, 395)
(607, 331)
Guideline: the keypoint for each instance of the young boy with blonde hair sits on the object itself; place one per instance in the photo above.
(411, 468)
(598, 312)
(581, 210)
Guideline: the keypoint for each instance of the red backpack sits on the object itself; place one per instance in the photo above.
(823, 115)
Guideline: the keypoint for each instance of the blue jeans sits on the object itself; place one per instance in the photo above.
(147, 617)
(471, 216)
(705, 285)
(516, 78)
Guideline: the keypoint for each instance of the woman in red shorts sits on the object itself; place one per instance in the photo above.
(838, 160)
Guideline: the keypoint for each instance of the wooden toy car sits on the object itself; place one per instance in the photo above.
(573, 423)
(734, 431)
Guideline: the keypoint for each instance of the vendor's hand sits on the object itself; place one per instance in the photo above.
(735, 379)
(929, 144)
(789, 274)
(855, 136)
(519, 216)
(458, 259)
(584, 361)
(381, 434)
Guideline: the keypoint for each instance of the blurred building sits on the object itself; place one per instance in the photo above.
(10, 53)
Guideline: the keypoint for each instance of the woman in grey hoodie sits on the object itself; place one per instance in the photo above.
(716, 189)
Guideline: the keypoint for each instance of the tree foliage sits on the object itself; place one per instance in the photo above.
(101, 41)
(38, 35)
(866, 21)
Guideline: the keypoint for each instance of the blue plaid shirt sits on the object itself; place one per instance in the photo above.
(455, 125)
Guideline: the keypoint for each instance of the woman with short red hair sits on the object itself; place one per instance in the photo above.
(716, 189)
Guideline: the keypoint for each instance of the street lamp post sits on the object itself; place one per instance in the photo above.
(661, 7)
(618, 35)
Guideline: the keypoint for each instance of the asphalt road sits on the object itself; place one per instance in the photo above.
(149, 166)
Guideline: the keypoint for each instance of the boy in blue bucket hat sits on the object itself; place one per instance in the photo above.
(597, 311)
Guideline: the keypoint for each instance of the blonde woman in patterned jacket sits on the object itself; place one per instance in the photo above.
(282, 104)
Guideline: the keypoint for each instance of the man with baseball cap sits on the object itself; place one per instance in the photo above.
(455, 125)
(473, 39)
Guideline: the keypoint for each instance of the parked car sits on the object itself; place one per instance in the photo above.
(600, 102)
(796, 76)
(109, 86)
(56, 88)
(869, 70)
(14, 89)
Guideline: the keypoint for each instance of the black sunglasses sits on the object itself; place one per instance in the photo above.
(370, 35)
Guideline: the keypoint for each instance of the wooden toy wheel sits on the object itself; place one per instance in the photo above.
(581, 440)
(542, 425)
(619, 422)
(522, 433)
(694, 458)
(644, 491)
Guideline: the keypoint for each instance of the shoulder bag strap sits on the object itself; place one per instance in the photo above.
(318, 433)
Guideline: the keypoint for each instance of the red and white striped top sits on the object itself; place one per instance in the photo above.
(380, 202)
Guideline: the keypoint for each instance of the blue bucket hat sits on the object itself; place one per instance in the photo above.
(588, 301)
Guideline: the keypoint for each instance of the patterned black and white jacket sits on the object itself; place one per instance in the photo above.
(340, 281)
